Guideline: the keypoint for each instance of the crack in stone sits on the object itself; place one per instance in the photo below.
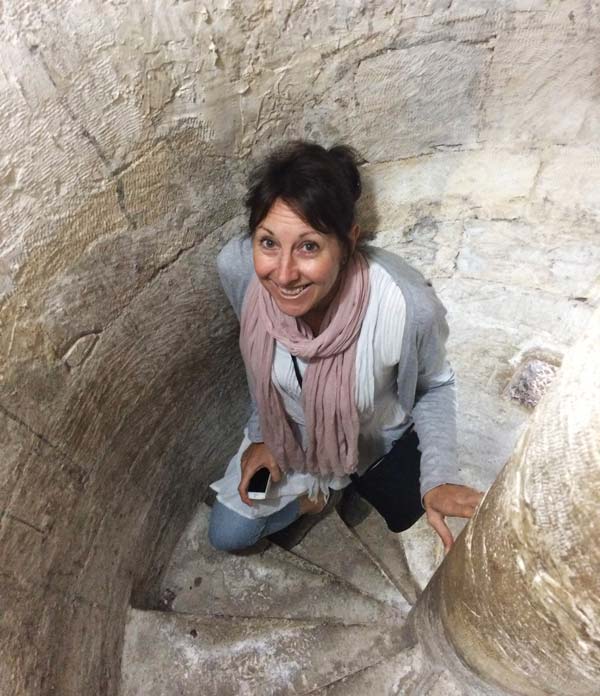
(459, 251)
(92, 140)
(121, 201)
(34, 50)
(536, 179)
(477, 42)
(349, 676)
(162, 268)
(146, 285)
(23, 522)
(404, 44)
(420, 155)
(513, 285)
(13, 417)
(159, 269)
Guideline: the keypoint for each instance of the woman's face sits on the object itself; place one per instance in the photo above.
(296, 264)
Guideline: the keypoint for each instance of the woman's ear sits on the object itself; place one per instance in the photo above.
(354, 237)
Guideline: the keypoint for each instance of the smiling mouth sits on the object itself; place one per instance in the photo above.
(291, 293)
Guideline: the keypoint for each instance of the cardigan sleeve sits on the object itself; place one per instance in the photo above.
(235, 268)
(434, 411)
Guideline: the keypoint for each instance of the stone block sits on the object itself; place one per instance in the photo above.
(447, 186)
(405, 102)
(430, 245)
(570, 180)
(542, 86)
(551, 258)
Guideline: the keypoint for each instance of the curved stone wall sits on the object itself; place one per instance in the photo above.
(127, 132)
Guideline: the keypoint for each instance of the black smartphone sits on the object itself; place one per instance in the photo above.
(259, 484)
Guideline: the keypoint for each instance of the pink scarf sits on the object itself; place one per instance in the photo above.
(328, 396)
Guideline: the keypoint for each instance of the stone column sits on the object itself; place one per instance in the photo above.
(515, 607)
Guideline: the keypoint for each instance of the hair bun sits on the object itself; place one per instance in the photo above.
(348, 158)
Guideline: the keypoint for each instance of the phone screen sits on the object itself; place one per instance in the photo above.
(258, 482)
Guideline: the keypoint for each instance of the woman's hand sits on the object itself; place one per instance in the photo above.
(453, 500)
(257, 456)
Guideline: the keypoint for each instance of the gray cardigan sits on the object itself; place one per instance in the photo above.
(426, 386)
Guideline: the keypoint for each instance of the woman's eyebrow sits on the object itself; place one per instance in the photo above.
(304, 234)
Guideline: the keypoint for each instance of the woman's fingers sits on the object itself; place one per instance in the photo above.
(249, 467)
(243, 487)
(437, 521)
(449, 500)
(454, 500)
(274, 469)
(471, 496)
(468, 500)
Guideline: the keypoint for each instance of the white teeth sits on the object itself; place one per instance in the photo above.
(292, 293)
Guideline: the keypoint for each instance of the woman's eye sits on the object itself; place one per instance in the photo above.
(267, 243)
(310, 246)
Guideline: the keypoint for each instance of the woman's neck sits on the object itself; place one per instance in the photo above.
(314, 319)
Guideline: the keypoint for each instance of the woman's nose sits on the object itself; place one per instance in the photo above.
(287, 270)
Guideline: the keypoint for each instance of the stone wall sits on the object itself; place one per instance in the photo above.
(128, 129)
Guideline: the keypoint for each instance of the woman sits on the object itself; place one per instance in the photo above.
(344, 349)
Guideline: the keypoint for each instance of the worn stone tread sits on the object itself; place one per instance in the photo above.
(424, 550)
(334, 548)
(405, 674)
(382, 678)
(387, 551)
(166, 653)
(273, 583)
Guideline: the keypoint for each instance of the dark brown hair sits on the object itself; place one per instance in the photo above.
(321, 186)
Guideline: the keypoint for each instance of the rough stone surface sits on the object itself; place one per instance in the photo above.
(271, 583)
(349, 560)
(406, 674)
(531, 381)
(245, 657)
(387, 551)
(127, 132)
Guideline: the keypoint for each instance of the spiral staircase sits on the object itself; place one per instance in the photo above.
(323, 619)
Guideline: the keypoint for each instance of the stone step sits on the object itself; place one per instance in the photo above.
(404, 674)
(334, 548)
(395, 675)
(387, 551)
(424, 549)
(273, 583)
(166, 654)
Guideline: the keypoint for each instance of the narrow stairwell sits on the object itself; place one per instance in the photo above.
(324, 619)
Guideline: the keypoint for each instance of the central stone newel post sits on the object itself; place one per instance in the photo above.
(516, 604)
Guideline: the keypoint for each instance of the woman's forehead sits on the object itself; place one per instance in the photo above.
(282, 218)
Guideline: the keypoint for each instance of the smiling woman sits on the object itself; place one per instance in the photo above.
(344, 347)
(298, 265)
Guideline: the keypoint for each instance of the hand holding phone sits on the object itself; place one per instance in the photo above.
(259, 485)
(256, 456)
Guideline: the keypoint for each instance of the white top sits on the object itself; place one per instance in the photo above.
(382, 419)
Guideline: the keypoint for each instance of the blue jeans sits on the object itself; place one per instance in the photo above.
(230, 531)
